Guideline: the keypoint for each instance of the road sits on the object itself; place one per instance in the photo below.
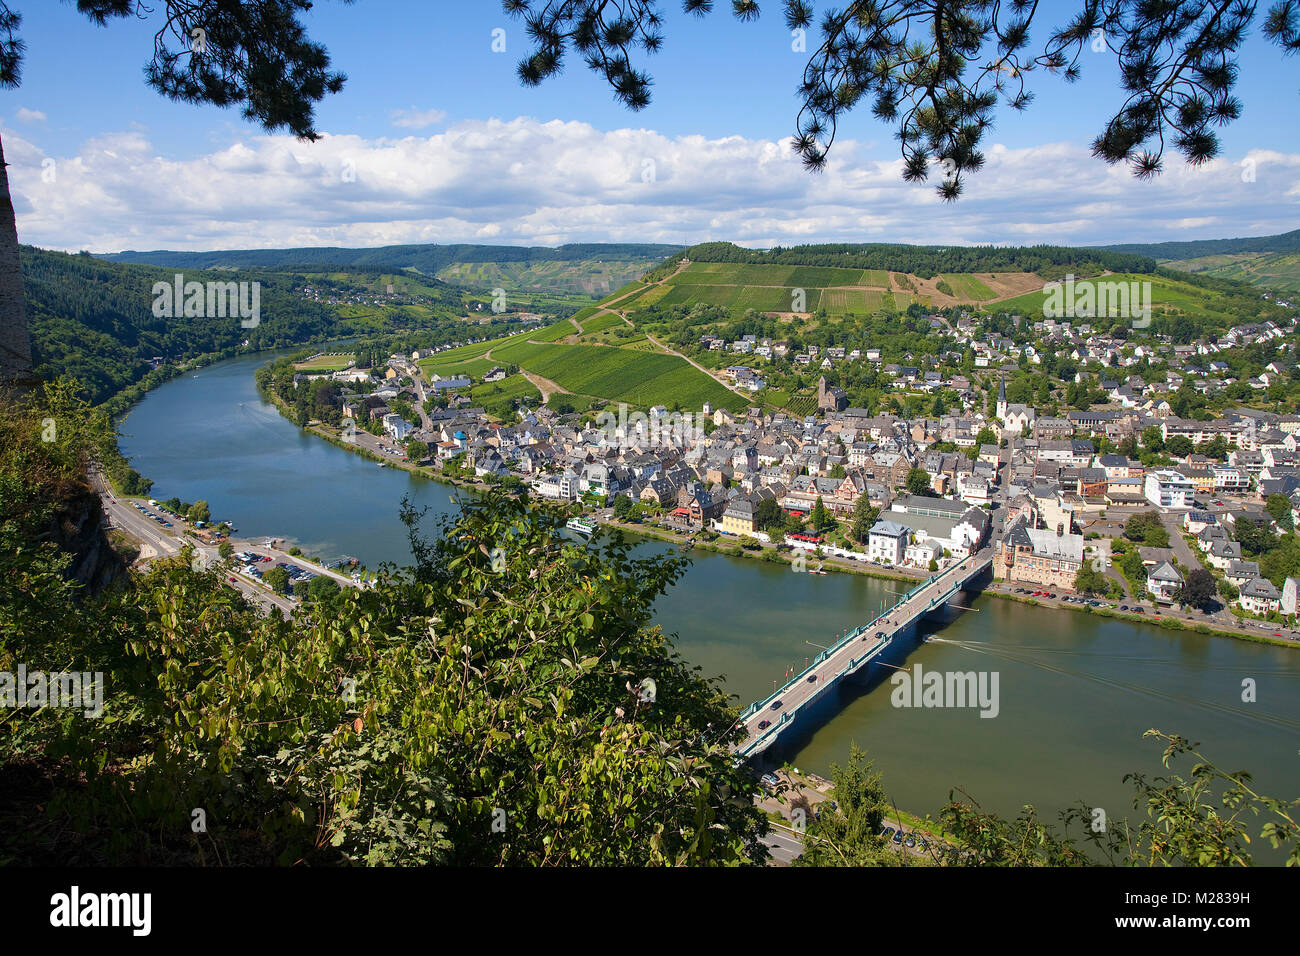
(125, 518)
(784, 845)
(163, 542)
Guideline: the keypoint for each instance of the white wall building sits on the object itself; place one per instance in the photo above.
(1169, 489)
(887, 542)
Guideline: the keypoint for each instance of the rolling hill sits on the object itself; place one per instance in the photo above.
(589, 269)
(1271, 263)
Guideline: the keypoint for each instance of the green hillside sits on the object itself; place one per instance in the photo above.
(1271, 263)
(1270, 271)
(582, 269)
(635, 376)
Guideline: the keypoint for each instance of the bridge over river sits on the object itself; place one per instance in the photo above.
(765, 720)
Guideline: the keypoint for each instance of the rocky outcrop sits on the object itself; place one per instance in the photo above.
(79, 530)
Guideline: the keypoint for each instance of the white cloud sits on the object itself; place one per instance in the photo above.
(530, 182)
(24, 115)
(417, 119)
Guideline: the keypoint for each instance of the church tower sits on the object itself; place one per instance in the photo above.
(1002, 398)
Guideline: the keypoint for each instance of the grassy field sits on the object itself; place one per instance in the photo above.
(1168, 296)
(607, 321)
(801, 405)
(621, 375)
(453, 358)
(498, 397)
(968, 287)
(474, 368)
(856, 301)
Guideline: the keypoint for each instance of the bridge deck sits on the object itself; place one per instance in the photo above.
(852, 652)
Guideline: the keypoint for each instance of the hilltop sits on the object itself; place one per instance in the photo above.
(656, 341)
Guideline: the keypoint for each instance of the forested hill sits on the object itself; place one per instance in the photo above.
(427, 258)
(94, 321)
(928, 261)
(1285, 242)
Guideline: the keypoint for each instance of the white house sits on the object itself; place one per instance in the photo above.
(1163, 582)
(887, 542)
(1169, 489)
(1259, 596)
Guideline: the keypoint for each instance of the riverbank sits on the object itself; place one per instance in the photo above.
(767, 553)
(1005, 590)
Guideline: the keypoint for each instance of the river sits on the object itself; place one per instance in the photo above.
(1075, 691)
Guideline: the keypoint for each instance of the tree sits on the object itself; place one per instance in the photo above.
(864, 516)
(893, 57)
(402, 719)
(622, 506)
(917, 481)
(416, 450)
(1089, 580)
(199, 512)
(225, 549)
(1279, 509)
(850, 835)
(769, 515)
(1146, 527)
(1198, 589)
(277, 579)
(820, 519)
(1153, 439)
(1254, 536)
(322, 589)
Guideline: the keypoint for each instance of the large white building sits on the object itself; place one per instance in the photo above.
(1169, 489)
(887, 542)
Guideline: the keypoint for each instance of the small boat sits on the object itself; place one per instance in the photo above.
(582, 527)
(383, 464)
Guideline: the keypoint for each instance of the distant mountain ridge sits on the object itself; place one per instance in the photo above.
(587, 269)
(1196, 248)
(426, 257)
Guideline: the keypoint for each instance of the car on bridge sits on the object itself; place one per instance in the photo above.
(764, 724)
(776, 705)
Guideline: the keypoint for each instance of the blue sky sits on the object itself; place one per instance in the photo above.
(415, 124)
